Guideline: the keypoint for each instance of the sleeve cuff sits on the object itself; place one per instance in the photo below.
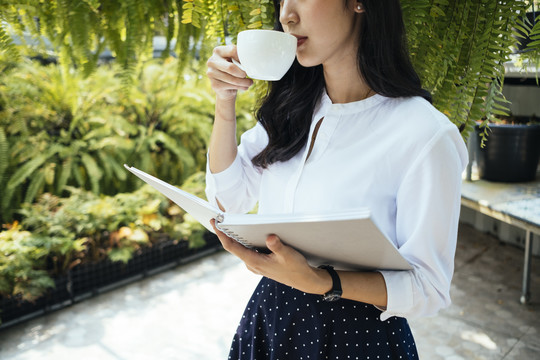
(399, 291)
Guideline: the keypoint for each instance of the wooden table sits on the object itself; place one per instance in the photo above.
(516, 204)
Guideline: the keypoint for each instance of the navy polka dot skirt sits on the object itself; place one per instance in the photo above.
(281, 323)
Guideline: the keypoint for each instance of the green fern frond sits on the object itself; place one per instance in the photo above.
(93, 5)
(28, 169)
(191, 14)
(4, 155)
(7, 46)
(36, 186)
(118, 169)
(128, 55)
(64, 173)
(147, 162)
(459, 49)
(258, 16)
(78, 175)
(104, 164)
(111, 168)
(93, 172)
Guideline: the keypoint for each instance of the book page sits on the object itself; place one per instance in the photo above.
(200, 209)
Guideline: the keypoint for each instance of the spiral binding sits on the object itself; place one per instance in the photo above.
(237, 237)
(231, 234)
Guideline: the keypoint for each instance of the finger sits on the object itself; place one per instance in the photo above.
(235, 248)
(217, 66)
(225, 64)
(227, 52)
(226, 241)
(274, 244)
(226, 81)
(223, 238)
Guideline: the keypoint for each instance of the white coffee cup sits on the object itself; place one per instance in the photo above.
(265, 54)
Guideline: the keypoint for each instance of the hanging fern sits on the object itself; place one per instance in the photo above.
(459, 48)
(6, 43)
(530, 56)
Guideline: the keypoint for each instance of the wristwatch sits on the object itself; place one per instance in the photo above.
(334, 293)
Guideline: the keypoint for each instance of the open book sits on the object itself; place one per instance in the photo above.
(348, 240)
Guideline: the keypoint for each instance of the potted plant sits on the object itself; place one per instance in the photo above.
(512, 150)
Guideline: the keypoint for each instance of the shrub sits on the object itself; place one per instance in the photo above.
(57, 234)
(22, 264)
(59, 129)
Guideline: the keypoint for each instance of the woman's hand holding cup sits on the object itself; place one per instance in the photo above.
(226, 78)
(261, 54)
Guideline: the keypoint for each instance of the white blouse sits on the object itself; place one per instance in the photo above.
(398, 156)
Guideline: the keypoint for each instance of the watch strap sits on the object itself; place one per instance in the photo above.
(336, 291)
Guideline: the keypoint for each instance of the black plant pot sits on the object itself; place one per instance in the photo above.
(13, 308)
(511, 153)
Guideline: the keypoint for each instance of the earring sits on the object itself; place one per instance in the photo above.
(359, 7)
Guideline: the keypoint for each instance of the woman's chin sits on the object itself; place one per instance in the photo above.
(306, 62)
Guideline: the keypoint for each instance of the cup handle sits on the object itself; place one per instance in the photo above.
(238, 64)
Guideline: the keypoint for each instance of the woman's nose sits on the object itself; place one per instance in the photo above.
(288, 14)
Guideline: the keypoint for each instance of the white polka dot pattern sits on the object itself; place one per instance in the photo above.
(281, 323)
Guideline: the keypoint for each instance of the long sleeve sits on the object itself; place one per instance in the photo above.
(237, 187)
(428, 206)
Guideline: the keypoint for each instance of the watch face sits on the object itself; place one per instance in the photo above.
(332, 297)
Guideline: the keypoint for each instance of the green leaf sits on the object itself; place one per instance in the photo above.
(35, 186)
(23, 173)
(64, 174)
(123, 254)
(4, 154)
(93, 172)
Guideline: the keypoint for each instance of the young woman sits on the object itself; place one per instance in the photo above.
(348, 126)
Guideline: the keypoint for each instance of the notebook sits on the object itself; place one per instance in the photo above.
(348, 240)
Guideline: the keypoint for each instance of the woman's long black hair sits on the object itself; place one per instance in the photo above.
(383, 59)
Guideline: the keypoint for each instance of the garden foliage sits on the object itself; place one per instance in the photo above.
(78, 31)
(61, 129)
(57, 234)
(65, 196)
(458, 46)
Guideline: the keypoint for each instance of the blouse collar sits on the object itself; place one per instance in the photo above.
(352, 107)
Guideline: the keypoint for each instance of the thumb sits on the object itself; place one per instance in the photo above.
(274, 244)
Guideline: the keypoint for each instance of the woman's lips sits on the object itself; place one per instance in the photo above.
(301, 40)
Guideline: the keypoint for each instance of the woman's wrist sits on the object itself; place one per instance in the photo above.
(321, 282)
(225, 109)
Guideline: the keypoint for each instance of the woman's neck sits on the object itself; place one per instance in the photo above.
(344, 83)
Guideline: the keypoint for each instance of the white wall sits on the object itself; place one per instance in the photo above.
(525, 99)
